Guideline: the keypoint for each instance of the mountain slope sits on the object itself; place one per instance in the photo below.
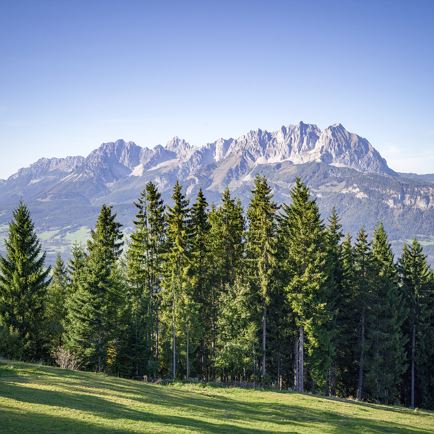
(343, 170)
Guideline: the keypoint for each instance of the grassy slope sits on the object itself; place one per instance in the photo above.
(36, 399)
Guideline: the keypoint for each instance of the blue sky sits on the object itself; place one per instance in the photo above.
(76, 73)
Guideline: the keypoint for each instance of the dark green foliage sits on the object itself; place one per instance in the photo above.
(385, 358)
(261, 252)
(139, 292)
(56, 304)
(305, 264)
(201, 264)
(417, 284)
(179, 310)
(237, 333)
(334, 294)
(283, 299)
(364, 281)
(93, 308)
(23, 290)
(347, 321)
(227, 251)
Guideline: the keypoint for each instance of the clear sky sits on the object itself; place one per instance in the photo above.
(74, 73)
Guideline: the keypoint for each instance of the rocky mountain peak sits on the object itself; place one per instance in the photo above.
(180, 146)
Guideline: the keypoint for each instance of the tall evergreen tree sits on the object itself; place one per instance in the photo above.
(92, 313)
(385, 364)
(347, 321)
(155, 260)
(305, 262)
(333, 237)
(226, 240)
(24, 280)
(418, 289)
(200, 275)
(75, 268)
(236, 340)
(261, 252)
(139, 291)
(364, 270)
(56, 304)
(179, 312)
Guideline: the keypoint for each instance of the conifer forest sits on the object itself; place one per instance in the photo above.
(274, 295)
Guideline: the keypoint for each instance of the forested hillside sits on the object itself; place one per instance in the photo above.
(274, 295)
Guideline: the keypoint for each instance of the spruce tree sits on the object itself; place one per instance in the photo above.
(56, 304)
(385, 362)
(226, 239)
(363, 284)
(75, 268)
(179, 311)
(139, 291)
(333, 237)
(24, 280)
(261, 253)
(347, 320)
(93, 308)
(237, 330)
(305, 262)
(155, 260)
(200, 274)
(418, 289)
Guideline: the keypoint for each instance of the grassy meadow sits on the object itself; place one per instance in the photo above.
(40, 399)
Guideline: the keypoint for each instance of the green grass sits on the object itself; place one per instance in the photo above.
(39, 399)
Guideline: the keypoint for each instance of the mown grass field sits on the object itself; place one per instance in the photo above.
(38, 399)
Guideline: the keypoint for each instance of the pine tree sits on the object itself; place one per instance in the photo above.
(23, 287)
(179, 310)
(93, 310)
(56, 304)
(418, 289)
(155, 259)
(385, 364)
(139, 291)
(333, 237)
(237, 330)
(226, 240)
(200, 274)
(261, 252)
(305, 262)
(75, 269)
(363, 284)
(347, 321)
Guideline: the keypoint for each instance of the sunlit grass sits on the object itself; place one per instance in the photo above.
(37, 399)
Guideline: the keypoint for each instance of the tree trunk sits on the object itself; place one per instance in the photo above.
(264, 343)
(296, 370)
(157, 338)
(174, 352)
(359, 394)
(173, 339)
(413, 352)
(301, 359)
(188, 356)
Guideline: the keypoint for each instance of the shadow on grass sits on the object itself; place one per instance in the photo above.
(224, 414)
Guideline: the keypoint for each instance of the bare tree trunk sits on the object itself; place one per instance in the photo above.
(296, 368)
(174, 353)
(359, 394)
(188, 356)
(173, 340)
(301, 359)
(157, 335)
(413, 353)
(264, 343)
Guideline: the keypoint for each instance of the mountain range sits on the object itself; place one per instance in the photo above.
(342, 169)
